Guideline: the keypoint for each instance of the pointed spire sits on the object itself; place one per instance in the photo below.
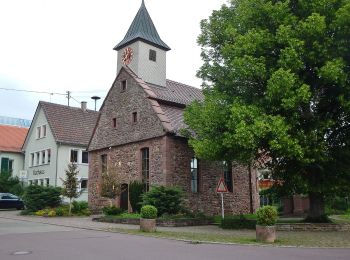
(142, 28)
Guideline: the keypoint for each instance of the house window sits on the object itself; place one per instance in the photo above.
(43, 157)
(41, 182)
(194, 175)
(38, 132)
(32, 159)
(145, 167)
(152, 55)
(134, 117)
(43, 131)
(123, 85)
(74, 156)
(47, 182)
(104, 163)
(30, 182)
(84, 184)
(85, 157)
(228, 175)
(6, 165)
(115, 122)
(48, 155)
(37, 159)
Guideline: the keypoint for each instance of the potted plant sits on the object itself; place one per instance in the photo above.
(265, 228)
(148, 218)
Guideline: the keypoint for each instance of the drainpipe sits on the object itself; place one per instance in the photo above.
(58, 145)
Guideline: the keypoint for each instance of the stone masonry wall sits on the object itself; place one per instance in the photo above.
(170, 165)
(207, 200)
(121, 105)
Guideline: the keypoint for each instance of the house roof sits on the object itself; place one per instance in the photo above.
(12, 138)
(176, 92)
(169, 102)
(70, 125)
(142, 28)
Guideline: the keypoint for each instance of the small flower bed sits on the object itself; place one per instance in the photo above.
(79, 208)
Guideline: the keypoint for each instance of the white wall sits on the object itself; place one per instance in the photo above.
(35, 145)
(18, 161)
(149, 71)
(62, 164)
(60, 156)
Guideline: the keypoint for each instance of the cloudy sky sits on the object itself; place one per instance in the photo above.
(59, 45)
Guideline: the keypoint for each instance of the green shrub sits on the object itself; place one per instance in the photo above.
(136, 189)
(167, 200)
(10, 184)
(79, 206)
(62, 211)
(112, 211)
(39, 197)
(238, 222)
(149, 212)
(267, 216)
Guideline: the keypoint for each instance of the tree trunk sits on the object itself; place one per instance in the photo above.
(70, 206)
(317, 207)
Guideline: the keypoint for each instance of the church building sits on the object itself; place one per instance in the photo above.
(138, 135)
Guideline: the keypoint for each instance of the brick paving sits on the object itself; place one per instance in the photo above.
(303, 239)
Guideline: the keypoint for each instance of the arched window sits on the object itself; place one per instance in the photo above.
(194, 175)
(228, 175)
(145, 167)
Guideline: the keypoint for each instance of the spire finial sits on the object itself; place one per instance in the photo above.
(143, 2)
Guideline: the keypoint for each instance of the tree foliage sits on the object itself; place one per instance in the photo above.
(111, 184)
(39, 197)
(70, 184)
(10, 184)
(277, 80)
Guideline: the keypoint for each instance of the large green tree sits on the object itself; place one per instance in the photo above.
(276, 81)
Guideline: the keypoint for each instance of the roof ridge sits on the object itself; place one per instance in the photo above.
(184, 84)
(69, 107)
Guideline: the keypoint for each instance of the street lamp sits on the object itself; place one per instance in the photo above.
(95, 98)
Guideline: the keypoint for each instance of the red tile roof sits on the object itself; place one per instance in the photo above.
(70, 125)
(169, 102)
(12, 138)
(176, 92)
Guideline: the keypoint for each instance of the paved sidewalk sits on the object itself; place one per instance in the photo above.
(197, 233)
(87, 223)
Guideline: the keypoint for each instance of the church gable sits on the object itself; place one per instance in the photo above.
(128, 115)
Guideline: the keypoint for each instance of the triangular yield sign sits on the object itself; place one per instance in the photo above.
(221, 186)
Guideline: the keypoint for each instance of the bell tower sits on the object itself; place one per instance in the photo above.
(142, 49)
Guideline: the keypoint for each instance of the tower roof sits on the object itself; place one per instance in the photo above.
(142, 28)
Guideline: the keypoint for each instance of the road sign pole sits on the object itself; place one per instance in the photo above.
(222, 206)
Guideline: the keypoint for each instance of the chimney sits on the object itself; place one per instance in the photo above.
(83, 105)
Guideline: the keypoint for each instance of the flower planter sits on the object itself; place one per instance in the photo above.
(147, 225)
(265, 234)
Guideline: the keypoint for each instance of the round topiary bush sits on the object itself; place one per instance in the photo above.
(149, 212)
(266, 216)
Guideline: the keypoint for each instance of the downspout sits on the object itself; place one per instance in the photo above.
(250, 189)
(58, 145)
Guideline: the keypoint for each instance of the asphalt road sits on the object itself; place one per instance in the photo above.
(34, 241)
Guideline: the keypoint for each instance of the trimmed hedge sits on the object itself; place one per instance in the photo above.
(149, 212)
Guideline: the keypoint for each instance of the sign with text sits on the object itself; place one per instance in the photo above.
(38, 172)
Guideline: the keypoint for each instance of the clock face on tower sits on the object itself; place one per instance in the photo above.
(127, 56)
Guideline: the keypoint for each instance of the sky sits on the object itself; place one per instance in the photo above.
(67, 45)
